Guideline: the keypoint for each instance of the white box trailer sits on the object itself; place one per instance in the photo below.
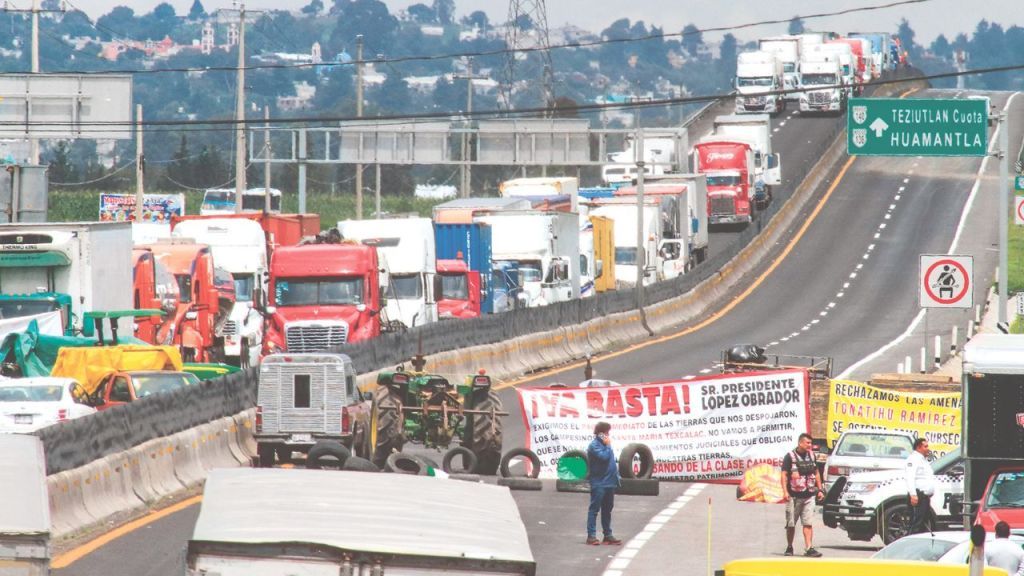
(663, 258)
(89, 262)
(271, 522)
(543, 187)
(407, 250)
(787, 49)
(695, 215)
(25, 521)
(546, 247)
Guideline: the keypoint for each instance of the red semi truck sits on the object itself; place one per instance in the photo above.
(459, 293)
(322, 296)
(154, 288)
(729, 168)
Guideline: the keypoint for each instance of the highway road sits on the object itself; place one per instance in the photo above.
(845, 289)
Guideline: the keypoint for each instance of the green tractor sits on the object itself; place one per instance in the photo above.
(427, 409)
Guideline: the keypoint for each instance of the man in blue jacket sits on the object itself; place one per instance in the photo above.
(604, 480)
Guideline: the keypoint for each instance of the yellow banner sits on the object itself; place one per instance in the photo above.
(932, 416)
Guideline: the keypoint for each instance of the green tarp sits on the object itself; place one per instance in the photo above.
(35, 353)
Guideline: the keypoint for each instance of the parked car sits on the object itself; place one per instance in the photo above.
(124, 387)
(1003, 499)
(948, 547)
(869, 503)
(28, 404)
(867, 450)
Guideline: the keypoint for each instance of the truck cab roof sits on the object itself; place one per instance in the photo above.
(995, 354)
(315, 260)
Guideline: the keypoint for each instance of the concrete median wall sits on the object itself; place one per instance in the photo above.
(125, 484)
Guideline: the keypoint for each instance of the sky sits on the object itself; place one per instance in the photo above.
(928, 19)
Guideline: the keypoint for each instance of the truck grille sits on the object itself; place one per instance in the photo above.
(722, 205)
(315, 338)
(754, 101)
(819, 98)
(230, 328)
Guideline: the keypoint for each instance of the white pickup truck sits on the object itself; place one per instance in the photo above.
(869, 503)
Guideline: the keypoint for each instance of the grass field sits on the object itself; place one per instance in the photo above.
(84, 205)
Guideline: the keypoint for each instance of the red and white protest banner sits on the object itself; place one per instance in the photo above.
(710, 428)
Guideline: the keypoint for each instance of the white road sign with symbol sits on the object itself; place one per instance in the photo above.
(946, 281)
(1019, 211)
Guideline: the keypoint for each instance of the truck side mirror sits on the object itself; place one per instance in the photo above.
(598, 268)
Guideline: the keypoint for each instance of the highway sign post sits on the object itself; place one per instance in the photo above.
(946, 281)
(916, 127)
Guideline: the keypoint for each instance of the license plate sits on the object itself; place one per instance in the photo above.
(23, 419)
(301, 438)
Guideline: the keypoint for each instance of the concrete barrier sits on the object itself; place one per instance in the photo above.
(158, 464)
(67, 504)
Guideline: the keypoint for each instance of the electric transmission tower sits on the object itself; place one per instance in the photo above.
(527, 28)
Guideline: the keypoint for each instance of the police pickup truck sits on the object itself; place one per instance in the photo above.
(869, 503)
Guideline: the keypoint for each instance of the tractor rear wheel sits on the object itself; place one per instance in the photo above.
(385, 425)
(486, 430)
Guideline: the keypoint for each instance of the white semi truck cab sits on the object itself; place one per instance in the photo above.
(821, 78)
(757, 75)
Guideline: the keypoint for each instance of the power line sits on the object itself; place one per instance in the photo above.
(199, 125)
(497, 51)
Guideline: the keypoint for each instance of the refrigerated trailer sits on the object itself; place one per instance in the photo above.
(25, 521)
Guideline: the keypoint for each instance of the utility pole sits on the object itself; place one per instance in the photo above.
(35, 10)
(140, 166)
(1004, 211)
(359, 114)
(266, 163)
(466, 176)
(240, 115)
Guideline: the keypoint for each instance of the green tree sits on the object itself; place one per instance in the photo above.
(180, 169)
(796, 25)
(693, 40)
(196, 12)
(367, 17)
(445, 10)
(727, 52)
(121, 21)
(906, 35)
(61, 169)
(940, 47)
(477, 18)
(422, 14)
(393, 95)
(314, 8)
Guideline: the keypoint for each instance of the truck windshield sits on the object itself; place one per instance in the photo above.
(874, 445)
(255, 203)
(19, 308)
(744, 82)
(625, 255)
(789, 67)
(454, 287)
(184, 287)
(243, 288)
(406, 287)
(530, 272)
(314, 291)
(1007, 491)
(818, 79)
(156, 383)
(218, 200)
(733, 180)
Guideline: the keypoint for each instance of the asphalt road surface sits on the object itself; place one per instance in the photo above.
(845, 290)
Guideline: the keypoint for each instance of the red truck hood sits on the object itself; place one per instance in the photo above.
(989, 517)
(455, 309)
(348, 314)
(725, 191)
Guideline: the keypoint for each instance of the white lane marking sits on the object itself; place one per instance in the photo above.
(781, 124)
(871, 247)
(784, 339)
(859, 266)
(952, 250)
(906, 180)
(689, 377)
(822, 313)
(832, 304)
(794, 334)
(773, 342)
(775, 130)
(882, 226)
(911, 171)
(892, 206)
(877, 234)
(806, 328)
(846, 285)
(902, 188)
(839, 294)
(887, 216)
(705, 370)
(897, 198)
(853, 274)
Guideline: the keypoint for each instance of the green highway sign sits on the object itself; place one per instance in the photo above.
(916, 127)
(1018, 183)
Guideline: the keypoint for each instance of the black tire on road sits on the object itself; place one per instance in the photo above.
(401, 463)
(896, 520)
(639, 487)
(626, 461)
(486, 431)
(520, 453)
(357, 464)
(327, 454)
(531, 484)
(386, 422)
(265, 454)
(582, 486)
(469, 461)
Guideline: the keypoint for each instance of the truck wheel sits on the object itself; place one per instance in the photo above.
(327, 454)
(385, 425)
(486, 430)
(895, 522)
(265, 454)
(468, 460)
(629, 453)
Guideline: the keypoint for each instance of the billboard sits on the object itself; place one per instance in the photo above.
(66, 106)
(155, 207)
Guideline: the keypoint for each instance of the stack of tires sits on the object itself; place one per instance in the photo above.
(531, 470)
(636, 465)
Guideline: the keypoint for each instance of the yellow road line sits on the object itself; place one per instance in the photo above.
(71, 556)
(718, 314)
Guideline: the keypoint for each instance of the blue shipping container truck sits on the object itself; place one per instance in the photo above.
(473, 242)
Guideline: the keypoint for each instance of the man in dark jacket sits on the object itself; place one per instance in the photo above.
(604, 480)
